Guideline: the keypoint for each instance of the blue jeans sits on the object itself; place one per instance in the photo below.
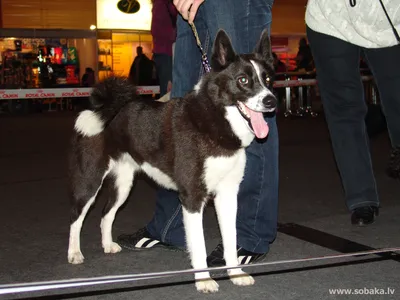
(244, 21)
(164, 70)
(339, 80)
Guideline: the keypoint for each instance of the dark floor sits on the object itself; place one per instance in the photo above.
(34, 223)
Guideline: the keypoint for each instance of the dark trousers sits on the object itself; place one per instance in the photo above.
(164, 70)
(341, 87)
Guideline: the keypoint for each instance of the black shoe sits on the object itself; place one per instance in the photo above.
(142, 240)
(393, 169)
(364, 215)
(216, 257)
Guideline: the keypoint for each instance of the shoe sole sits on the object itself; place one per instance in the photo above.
(362, 224)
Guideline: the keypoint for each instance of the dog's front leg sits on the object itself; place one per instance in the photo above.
(193, 222)
(226, 209)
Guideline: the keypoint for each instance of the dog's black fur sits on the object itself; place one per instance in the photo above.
(170, 133)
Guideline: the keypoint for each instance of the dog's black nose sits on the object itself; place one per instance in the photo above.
(270, 101)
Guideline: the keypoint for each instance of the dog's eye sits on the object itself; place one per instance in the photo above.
(243, 80)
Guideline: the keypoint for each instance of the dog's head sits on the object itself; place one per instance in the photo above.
(245, 81)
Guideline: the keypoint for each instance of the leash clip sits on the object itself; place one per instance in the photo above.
(205, 63)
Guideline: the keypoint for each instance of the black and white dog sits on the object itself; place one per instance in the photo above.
(195, 145)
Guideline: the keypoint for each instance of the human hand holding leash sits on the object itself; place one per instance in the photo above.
(188, 8)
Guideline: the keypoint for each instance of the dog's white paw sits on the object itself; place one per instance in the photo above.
(242, 279)
(75, 258)
(207, 285)
(112, 248)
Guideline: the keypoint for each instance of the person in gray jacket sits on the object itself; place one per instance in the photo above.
(338, 31)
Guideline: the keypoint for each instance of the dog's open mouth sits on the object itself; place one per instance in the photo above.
(255, 119)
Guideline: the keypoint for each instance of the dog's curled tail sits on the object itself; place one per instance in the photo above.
(107, 99)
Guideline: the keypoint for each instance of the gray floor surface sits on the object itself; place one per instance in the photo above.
(34, 224)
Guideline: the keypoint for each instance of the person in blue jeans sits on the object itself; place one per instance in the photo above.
(243, 20)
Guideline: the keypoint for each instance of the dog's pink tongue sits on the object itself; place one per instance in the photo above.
(258, 123)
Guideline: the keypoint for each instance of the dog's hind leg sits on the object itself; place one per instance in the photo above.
(123, 171)
(193, 221)
(84, 192)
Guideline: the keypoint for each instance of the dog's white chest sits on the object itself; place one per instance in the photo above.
(228, 170)
(239, 126)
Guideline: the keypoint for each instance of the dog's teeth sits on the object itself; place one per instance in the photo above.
(243, 109)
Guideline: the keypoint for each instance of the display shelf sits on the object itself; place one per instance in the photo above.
(105, 58)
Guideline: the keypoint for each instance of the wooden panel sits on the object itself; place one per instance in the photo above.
(71, 14)
(17, 12)
(288, 17)
(1, 15)
(291, 2)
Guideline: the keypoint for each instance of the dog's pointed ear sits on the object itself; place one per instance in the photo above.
(223, 53)
(264, 47)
